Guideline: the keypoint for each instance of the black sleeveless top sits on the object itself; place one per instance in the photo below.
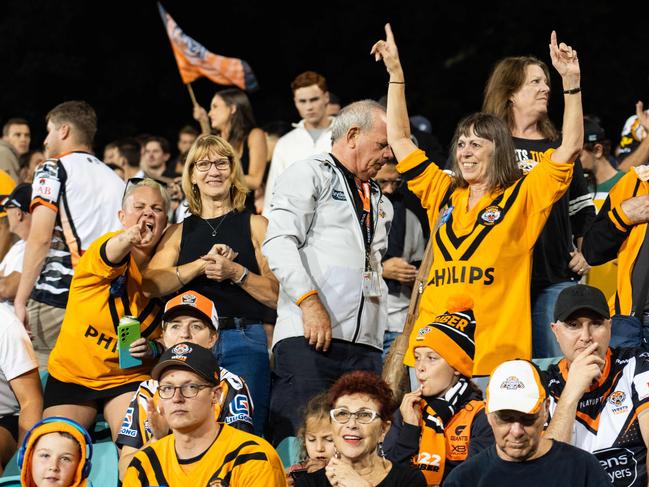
(233, 229)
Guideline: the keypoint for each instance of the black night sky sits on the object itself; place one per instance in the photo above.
(116, 55)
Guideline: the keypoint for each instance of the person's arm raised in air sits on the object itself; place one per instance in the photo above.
(425, 180)
(641, 153)
(200, 115)
(398, 125)
(564, 60)
(258, 151)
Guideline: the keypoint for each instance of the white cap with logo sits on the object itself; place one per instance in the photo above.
(515, 385)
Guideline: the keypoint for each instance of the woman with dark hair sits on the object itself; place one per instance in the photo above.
(232, 117)
(517, 92)
(361, 407)
(217, 252)
(486, 217)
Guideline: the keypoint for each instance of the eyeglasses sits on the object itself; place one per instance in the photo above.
(186, 390)
(343, 415)
(393, 182)
(204, 165)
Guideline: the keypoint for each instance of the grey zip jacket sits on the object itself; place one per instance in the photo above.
(314, 242)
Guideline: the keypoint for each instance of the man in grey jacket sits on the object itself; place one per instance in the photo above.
(327, 232)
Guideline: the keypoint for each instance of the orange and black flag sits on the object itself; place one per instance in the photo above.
(195, 61)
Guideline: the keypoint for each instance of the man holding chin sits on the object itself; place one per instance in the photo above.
(599, 394)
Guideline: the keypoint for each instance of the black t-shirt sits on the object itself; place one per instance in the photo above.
(570, 216)
(398, 476)
(563, 465)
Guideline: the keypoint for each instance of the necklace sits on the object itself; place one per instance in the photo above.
(215, 230)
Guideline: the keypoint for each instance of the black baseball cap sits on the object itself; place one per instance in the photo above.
(20, 198)
(593, 131)
(580, 296)
(190, 356)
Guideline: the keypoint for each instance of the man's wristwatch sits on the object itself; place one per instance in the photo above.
(241, 281)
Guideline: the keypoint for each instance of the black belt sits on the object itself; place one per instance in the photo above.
(230, 323)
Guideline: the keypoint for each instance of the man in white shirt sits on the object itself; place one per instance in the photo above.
(310, 136)
(16, 205)
(75, 200)
(154, 161)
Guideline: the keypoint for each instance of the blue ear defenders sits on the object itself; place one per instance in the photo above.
(86, 466)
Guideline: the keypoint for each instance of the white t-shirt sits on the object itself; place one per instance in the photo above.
(13, 261)
(16, 358)
(86, 196)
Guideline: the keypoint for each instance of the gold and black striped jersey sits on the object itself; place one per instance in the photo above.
(486, 252)
(235, 458)
(614, 235)
(100, 294)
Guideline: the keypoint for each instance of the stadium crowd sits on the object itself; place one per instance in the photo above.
(225, 308)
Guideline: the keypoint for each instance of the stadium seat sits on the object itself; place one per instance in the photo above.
(13, 480)
(544, 363)
(289, 451)
(11, 470)
(104, 472)
(44, 375)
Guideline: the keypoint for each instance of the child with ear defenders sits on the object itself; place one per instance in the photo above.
(55, 452)
(442, 422)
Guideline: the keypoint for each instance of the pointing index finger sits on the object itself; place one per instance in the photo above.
(389, 36)
(553, 39)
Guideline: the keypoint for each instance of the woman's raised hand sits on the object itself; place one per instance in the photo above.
(564, 58)
(387, 51)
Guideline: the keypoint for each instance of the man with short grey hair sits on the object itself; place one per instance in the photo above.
(327, 233)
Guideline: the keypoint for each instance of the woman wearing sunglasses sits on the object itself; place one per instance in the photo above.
(216, 251)
(362, 404)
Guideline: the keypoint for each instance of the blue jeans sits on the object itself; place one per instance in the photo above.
(388, 338)
(244, 351)
(544, 343)
(627, 331)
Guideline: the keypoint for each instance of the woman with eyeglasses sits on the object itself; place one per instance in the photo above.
(361, 407)
(231, 116)
(217, 252)
(485, 218)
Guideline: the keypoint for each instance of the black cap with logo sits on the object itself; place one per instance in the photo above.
(593, 131)
(189, 356)
(20, 198)
(578, 297)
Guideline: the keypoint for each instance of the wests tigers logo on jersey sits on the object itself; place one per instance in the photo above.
(491, 215)
(616, 400)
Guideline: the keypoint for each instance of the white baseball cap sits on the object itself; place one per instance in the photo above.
(515, 385)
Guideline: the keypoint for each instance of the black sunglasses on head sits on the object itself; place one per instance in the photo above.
(135, 181)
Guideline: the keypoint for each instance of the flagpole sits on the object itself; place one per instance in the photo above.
(191, 94)
(203, 119)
